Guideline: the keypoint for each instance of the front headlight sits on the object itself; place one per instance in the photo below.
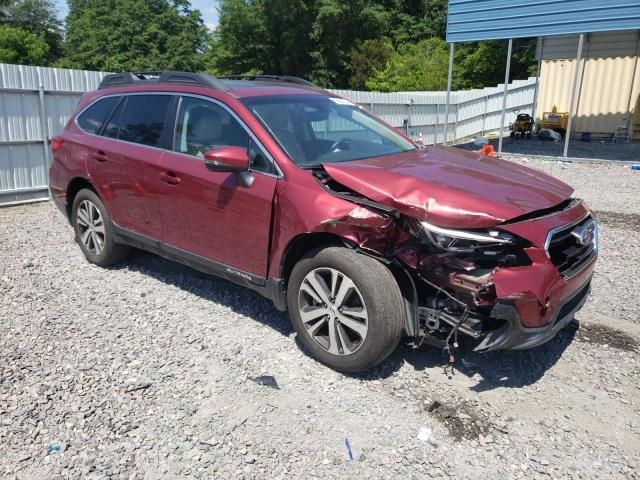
(463, 240)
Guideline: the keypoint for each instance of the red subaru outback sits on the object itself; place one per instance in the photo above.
(308, 199)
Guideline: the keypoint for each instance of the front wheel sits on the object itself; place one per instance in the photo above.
(346, 308)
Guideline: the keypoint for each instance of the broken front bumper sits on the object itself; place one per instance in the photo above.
(531, 303)
(514, 336)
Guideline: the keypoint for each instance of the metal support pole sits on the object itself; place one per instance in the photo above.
(630, 123)
(583, 68)
(506, 92)
(409, 105)
(446, 108)
(576, 76)
(435, 128)
(537, 89)
(484, 115)
(44, 125)
(455, 126)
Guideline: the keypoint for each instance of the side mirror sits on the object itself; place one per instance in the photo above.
(230, 159)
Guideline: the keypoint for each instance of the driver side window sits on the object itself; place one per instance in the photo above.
(202, 125)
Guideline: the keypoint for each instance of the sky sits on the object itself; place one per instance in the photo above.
(206, 7)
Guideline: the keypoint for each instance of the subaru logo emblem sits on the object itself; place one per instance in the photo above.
(585, 234)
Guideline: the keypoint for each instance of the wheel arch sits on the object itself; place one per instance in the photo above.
(304, 243)
(75, 185)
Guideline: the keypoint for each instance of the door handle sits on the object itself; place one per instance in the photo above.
(170, 178)
(100, 156)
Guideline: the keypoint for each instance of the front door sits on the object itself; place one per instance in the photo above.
(208, 213)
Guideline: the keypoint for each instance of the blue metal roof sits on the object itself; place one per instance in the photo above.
(471, 20)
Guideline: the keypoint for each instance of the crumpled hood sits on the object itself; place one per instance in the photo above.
(451, 187)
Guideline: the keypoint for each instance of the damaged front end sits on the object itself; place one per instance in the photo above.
(510, 286)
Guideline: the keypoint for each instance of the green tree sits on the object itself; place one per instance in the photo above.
(415, 20)
(367, 58)
(482, 64)
(37, 17)
(239, 44)
(136, 35)
(414, 67)
(338, 26)
(349, 43)
(22, 47)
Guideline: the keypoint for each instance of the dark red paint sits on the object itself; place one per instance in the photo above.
(450, 187)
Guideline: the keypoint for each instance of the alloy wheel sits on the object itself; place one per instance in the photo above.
(333, 311)
(90, 227)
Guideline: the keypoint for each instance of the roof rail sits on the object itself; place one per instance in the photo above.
(271, 78)
(159, 77)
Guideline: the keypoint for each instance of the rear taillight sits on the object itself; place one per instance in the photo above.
(56, 143)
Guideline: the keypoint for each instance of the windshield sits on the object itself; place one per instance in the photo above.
(315, 129)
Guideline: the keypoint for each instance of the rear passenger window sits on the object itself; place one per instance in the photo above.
(93, 117)
(143, 119)
(112, 128)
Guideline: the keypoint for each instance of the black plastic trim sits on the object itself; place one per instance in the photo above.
(271, 288)
(513, 336)
(164, 78)
(271, 78)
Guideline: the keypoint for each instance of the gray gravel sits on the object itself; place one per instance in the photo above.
(145, 371)
(607, 187)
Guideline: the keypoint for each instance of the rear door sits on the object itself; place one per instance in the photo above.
(208, 213)
(124, 163)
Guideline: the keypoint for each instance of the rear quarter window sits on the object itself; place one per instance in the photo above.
(144, 118)
(93, 117)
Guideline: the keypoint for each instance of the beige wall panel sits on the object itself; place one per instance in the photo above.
(604, 92)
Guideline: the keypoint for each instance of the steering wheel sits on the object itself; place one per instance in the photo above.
(335, 147)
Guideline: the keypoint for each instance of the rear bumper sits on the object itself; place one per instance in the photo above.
(61, 204)
(514, 336)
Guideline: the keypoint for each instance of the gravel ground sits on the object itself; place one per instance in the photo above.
(595, 149)
(147, 371)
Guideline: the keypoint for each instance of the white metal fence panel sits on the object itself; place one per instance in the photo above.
(36, 103)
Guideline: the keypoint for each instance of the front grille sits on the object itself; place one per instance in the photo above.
(572, 247)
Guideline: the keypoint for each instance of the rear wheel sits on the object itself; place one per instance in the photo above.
(93, 230)
(346, 308)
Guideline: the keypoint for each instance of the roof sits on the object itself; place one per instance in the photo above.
(472, 20)
(246, 88)
(239, 86)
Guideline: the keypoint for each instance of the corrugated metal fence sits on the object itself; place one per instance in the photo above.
(36, 102)
(471, 113)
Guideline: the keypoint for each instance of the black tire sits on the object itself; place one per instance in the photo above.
(111, 251)
(380, 294)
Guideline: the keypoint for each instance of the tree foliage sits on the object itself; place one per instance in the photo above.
(368, 58)
(37, 17)
(136, 35)
(20, 46)
(420, 66)
(379, 44)
(385, 45)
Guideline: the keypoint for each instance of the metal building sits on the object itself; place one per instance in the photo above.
(473, 20)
